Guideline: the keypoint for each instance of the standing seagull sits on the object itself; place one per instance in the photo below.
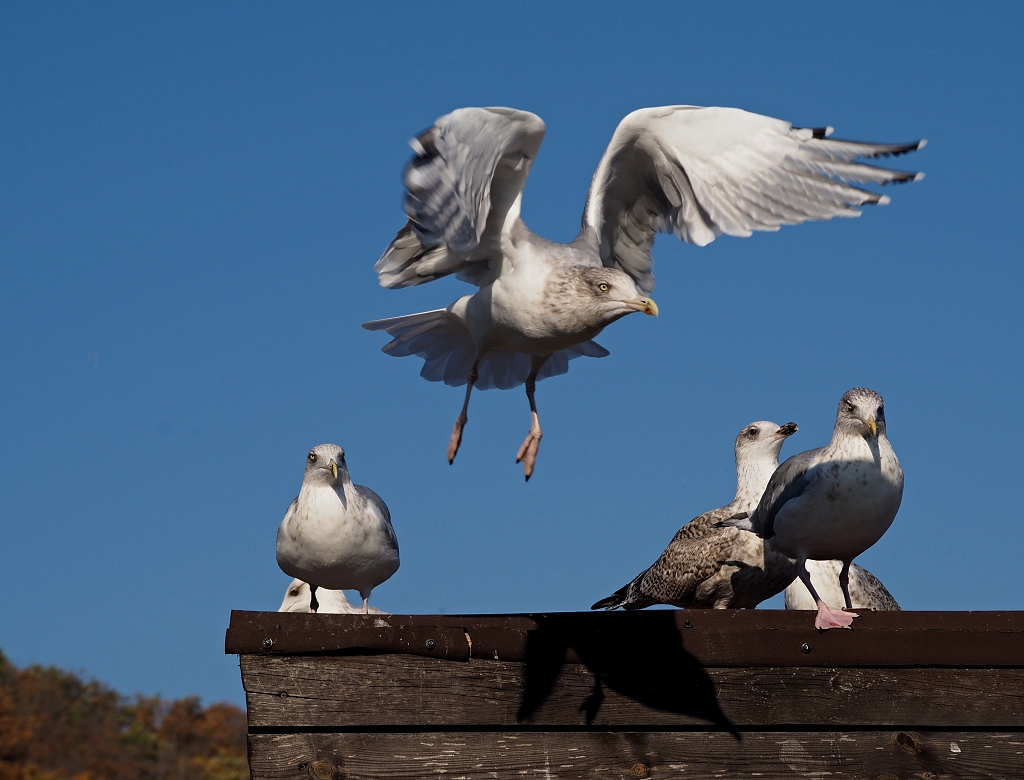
(866, 591)
(709, 567)
(695, 172)
(336, 535)
(833, 502)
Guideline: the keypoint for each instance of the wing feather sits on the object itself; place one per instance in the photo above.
(468, 174)
(701, 172)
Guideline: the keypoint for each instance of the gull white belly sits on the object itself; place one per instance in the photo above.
(861, 503)
(332, 548)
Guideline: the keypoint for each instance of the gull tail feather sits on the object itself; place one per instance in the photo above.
(614, 601)
(628, 597)
(438, 337)
(447, 348)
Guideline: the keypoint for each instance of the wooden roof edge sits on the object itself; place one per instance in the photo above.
(705, 637)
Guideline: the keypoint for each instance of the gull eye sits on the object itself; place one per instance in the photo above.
(850, 407)
(312, 457)
(752, 432)
(603, 287)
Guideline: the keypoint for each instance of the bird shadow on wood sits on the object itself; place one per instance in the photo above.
(649, 665)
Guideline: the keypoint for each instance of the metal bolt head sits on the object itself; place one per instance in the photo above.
(268, 643)
(431, 644)
(639, 770)
(805, 648)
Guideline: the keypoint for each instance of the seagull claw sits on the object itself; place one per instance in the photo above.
(456, 439)
(527, 454)
(833, 618)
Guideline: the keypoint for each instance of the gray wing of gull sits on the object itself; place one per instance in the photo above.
(701, 172)
(376, 505)
(469, 169)
(789, 481)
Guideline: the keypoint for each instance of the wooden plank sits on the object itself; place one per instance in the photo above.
(447, 642)
(886, 755)
(707, 637)
(398, 690)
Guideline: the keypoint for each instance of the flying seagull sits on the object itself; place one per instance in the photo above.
(866, 591)
(336, 535)
(833, 502)
(710, 567)
(331, 602)
(695, 172)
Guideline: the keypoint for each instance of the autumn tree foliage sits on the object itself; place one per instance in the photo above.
(56, 726)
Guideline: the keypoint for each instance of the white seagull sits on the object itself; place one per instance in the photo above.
(833, 502)
(336, 535)
(709, 567)
(331, 602)
(695, 172)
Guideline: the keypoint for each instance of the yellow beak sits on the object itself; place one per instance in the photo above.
(334, 469)
(872, 426)
(646, 305)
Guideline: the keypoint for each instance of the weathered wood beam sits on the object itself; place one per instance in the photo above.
(402, 690)
(705, 637)
(885, 755)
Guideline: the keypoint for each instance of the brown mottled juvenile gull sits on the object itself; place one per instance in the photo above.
(336, 534)
(331, 602)
(834, 502)
(695, 172)
(705, 566)
(866, 591)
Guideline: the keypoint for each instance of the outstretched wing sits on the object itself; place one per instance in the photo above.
(467, 175)
(701, 172)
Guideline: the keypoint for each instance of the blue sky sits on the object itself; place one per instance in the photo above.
(192, 197)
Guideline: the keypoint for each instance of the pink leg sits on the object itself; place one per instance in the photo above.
(527, 454)
(460, 422)
(827, 617)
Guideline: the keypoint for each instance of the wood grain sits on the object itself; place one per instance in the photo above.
(885, 755)
(401, 690)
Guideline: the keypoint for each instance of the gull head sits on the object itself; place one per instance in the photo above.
(325, 465)
(861, 413)
(606, 294)
(332, 602)
(296, 598)
(757, 457)
(763, 439)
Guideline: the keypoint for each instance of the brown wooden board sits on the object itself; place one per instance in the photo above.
(399, 690)
(705, 637)
(879, 755)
